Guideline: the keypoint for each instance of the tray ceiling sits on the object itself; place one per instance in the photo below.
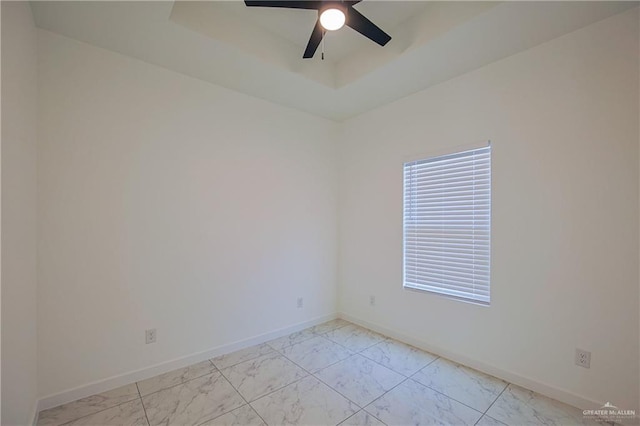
(258, 51)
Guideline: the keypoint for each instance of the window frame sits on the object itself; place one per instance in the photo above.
(431, 156)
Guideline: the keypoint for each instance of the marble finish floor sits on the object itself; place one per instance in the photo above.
(336, 373)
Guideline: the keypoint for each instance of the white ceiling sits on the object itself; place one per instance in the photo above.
(295, 25)
(258, 51)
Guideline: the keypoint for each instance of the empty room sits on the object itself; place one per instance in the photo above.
(331, 212)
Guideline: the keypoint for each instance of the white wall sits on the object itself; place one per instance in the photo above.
(563, 121)
(171, 203)
(19, 279)
(136, 174)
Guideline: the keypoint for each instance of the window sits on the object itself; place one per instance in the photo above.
(447, 224)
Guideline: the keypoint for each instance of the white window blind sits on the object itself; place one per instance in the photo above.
(447, 224)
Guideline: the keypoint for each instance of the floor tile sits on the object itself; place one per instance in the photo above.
(354, 337)
(360, 379)
(306, 402)
(262, 375)
(90, 405)
(224, 361)
(192, 402)
(362, 418)
(291, 339)
(415, 404)
(243, 416)
(351, 367)
(471, 387)
(127, 414)
(518, 406)
(175, 377)
(316, 353)
(329, 326)
(489, 421)
(399, 357)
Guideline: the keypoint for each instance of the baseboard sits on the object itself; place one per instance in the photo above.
(35, 413)
(561, 395)
(164, 367)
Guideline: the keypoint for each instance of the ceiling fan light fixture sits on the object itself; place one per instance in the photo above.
(332, 19)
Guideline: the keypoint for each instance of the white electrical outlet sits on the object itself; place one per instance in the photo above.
(150, 335)
(583, 358)
(300, 302)
(372, 300)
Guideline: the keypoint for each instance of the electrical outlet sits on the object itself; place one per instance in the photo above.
(372, 300)
(150, 335)
(583, 358)
(300, 302)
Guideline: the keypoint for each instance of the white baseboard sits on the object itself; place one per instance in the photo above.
(164, 367)
(134, 376)
(34, 413)
(561, 395)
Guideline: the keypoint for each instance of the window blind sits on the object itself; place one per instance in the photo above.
(447, 224)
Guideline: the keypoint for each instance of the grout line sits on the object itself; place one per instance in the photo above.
(96, 412)
(270, 392)
(444, 394)
(422, 368)
(261, 396)
(381, 396)
(339, 344)
(257, 414)
(362, 410)
(311, 374)
(494, 401)
(351, 354)
(331, 387)
(177, 384)
(349, 417)
(272, 349)
(323, 335)
(447, 396)
(279, 389)
(296, 332)
(336, 390)
(272, 353)
(246, 403)
(403, 375)
(322, 381)
(143, 407)
(419, 369)
(313, 335)
(278, 351)
(354, 353)
(245, 360)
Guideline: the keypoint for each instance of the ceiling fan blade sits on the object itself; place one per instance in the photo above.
(361, 24)
(314, 41)
(289, 4)
(351, 2)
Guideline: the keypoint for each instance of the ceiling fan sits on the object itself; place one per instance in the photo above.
(332, 15)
